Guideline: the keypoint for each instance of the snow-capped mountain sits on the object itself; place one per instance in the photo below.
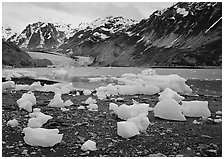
(185, 34)
(97, 31)
(8, 34)
(43, 36)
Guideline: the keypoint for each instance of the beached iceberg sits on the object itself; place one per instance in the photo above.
(29, 96)
(68, 103)
(87, 92)
(89, 145)
(90, 100)
(56, 101)
(125, 112)
(34, 123)
(42, 137)
(168, 109)
(141, 121)
(93, 107)
(113, 107)
(127, 129)
(13, 123)
(170, 94)
(101, 94)
(41, 116)
(195, 109)
(8, 86)
(26, 101)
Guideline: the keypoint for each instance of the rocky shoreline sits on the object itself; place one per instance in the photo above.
(162, 138)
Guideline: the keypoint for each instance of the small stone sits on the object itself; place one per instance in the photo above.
(211, 152)
(9, 147)
(63, 143)
(206, 136)
(25, 152)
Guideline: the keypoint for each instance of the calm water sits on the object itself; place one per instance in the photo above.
(203, 74)
(202, 81)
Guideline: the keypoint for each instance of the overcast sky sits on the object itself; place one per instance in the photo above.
(18, 14)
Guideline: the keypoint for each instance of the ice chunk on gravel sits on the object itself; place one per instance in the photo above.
(90, 100)
(127, 129)
(170, 94)
(12, 123)
(141, 121)
(195, 109)
(169, 109)
(42, 137)
(89, 145)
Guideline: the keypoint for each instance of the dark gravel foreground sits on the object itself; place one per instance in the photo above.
(163, 138)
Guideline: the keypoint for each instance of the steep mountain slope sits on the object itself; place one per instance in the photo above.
(43, 36)
(12, 55)
(185, 34)
(89, 34)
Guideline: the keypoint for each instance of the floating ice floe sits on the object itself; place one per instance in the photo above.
(90, 100)
(35, 86)
(149, 72)
(58, 87)
(170, 94)
(22, 87)
(195, 109)
(42, 137)
(127, 129)
(12, 123)
(141, 121)
(168, 109)
(8, 86)
(61, 74)
(20, 73)
(89, 145)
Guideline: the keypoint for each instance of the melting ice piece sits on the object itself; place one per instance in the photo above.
(125, 112)
(90, 100)
(43, 118)
(8, 86)
(127, 129)
(89, 145)
(113, 107)
(26, 105)
(101, 94)
(56, 101)
(93, 107)
(170, 94)
(27, 97)
(195, 109)
(64, 109)
(68, 103)
(42, 137)
(87, 92)
(34, 123)
(141, 121)
(168, 109)
(12, 123)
